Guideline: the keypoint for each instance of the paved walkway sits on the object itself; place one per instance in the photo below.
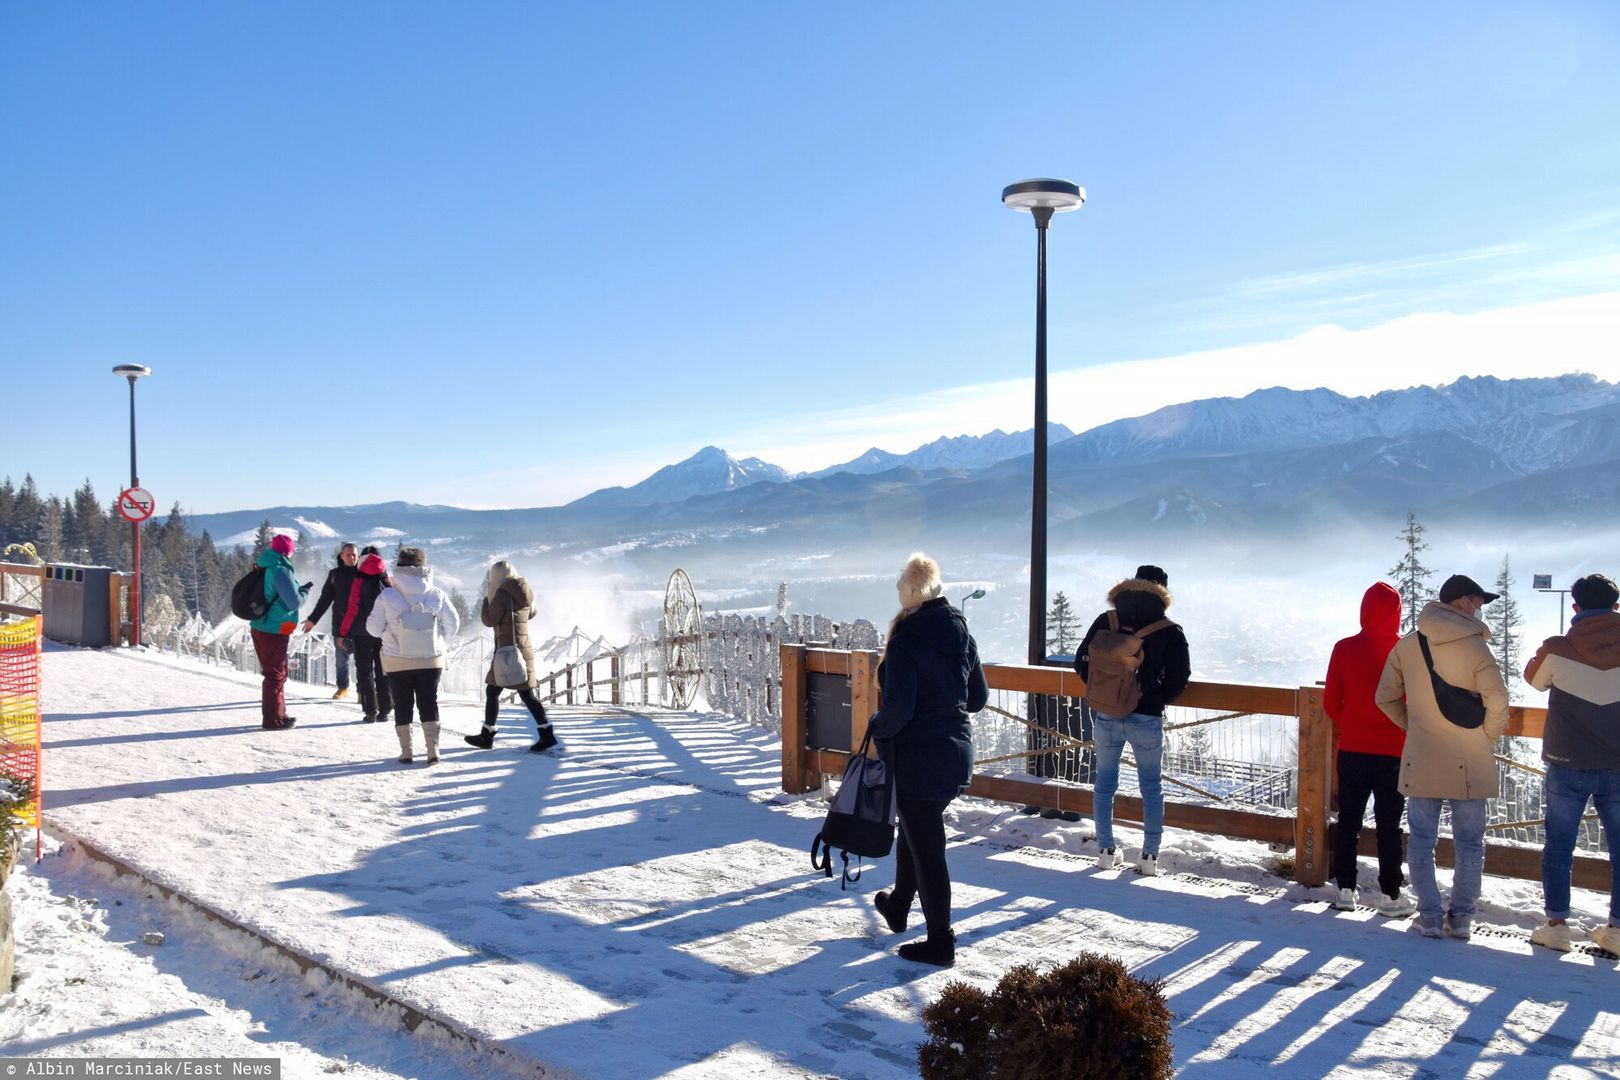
(642, 905)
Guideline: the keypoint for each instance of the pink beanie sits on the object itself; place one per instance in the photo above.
(283, 543)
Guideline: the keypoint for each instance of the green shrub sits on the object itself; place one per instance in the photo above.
(1090, 1019)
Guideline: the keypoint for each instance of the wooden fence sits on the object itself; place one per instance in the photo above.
(1309, 831)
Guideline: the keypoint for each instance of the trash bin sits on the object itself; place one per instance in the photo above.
(75, 604)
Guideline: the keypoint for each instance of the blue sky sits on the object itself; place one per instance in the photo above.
(504, 254)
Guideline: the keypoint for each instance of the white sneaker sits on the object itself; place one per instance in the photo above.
(1345, 901)
(1606, 938)
(1107, 859)
(1552, 937)
(1395, 907)
(1147, 865)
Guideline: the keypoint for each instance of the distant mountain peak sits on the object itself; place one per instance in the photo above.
(963, 453)
(708, 472)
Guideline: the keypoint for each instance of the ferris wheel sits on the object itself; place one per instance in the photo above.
(682, 641)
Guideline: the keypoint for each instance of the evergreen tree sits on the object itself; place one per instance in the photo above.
(8, 505)
(1411, 576)
(26, 509)
(261, 539)
(459, 602)
(90, 524)
(1062, 628)
(1504, 619)
(48, 536)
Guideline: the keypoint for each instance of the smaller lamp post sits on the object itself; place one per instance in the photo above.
(133, 372)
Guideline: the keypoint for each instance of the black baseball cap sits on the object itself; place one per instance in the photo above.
(1460, 585)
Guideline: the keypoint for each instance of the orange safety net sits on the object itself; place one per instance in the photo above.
(19, 715)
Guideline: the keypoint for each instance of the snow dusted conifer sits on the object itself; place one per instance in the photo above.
(1504, 620)
(1062, 629)
(1411, 576)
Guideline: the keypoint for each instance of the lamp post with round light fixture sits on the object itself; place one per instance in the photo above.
(133, 372)
(1040, 198)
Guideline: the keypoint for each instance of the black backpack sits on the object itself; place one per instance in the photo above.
(862, 816)
(247, 596)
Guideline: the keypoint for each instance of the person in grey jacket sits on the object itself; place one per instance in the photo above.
(932, 685)
(415, 620)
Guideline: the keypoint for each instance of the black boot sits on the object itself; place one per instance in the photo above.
(884, 902)
(939, 951)
(483, 740)
(548, 739)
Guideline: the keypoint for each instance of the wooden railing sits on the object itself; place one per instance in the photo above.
(576, 684)
(22, 592)
(1309, 831)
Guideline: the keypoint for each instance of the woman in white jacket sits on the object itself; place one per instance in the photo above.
(415, 620)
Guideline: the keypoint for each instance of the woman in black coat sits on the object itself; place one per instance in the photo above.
(932, 685)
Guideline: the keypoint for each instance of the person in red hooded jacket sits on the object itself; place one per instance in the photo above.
(1369, 759)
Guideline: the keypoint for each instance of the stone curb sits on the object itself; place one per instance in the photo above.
(413, 1017)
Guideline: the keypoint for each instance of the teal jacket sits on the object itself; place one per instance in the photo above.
(283, 592)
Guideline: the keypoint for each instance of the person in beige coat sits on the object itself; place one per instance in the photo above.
(1445, 761)
(507, 608)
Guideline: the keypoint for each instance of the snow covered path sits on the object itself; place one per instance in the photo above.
(642, 905)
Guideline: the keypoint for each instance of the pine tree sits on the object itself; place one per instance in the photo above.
(1411, 576)
(261, 539)
(1062, 633)
(1504, 619)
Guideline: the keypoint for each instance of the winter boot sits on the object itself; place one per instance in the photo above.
(483, 740)
(404, 733)
(548, 739)
(939, 950)
(430, 735)
(884, 902)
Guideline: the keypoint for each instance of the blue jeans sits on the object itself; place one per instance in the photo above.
(1566, 792)
(342, 664)
(1146, 735)
(1467, 836)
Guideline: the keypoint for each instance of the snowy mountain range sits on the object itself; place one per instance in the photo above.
(1532, 452)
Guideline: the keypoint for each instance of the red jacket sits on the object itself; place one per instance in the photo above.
(1353, 673)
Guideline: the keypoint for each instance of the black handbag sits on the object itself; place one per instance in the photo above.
(1462, 707)
(861, 820)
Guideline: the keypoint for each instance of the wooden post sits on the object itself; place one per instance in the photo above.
(568, 682)
(793, 720)
(616, 690)
(115, 608)
(863, 696)
(1312, 856)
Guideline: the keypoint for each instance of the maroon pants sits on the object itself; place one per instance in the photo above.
(272, 651)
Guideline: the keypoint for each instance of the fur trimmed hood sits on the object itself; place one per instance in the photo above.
(1139, 601)
(1140, 585)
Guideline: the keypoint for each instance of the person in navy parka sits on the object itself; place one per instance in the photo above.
(932, 684)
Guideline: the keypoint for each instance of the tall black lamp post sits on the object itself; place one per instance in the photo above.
(133, 372)
(1041, 199)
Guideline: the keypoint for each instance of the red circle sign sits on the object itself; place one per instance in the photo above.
(136, 504)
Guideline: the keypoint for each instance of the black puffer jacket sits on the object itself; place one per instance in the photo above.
(371, 577)
(932, 684)
(334, 595)
(1166, 666)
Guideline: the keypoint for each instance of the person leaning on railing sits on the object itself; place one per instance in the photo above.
(1581, 748)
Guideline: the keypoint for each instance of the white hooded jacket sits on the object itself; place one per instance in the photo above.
(413, 595)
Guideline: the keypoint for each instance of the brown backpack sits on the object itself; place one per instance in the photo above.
(1115, 655)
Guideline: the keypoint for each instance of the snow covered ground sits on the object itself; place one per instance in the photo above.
(641, 905)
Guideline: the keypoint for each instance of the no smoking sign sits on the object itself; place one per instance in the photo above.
(136, 504)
